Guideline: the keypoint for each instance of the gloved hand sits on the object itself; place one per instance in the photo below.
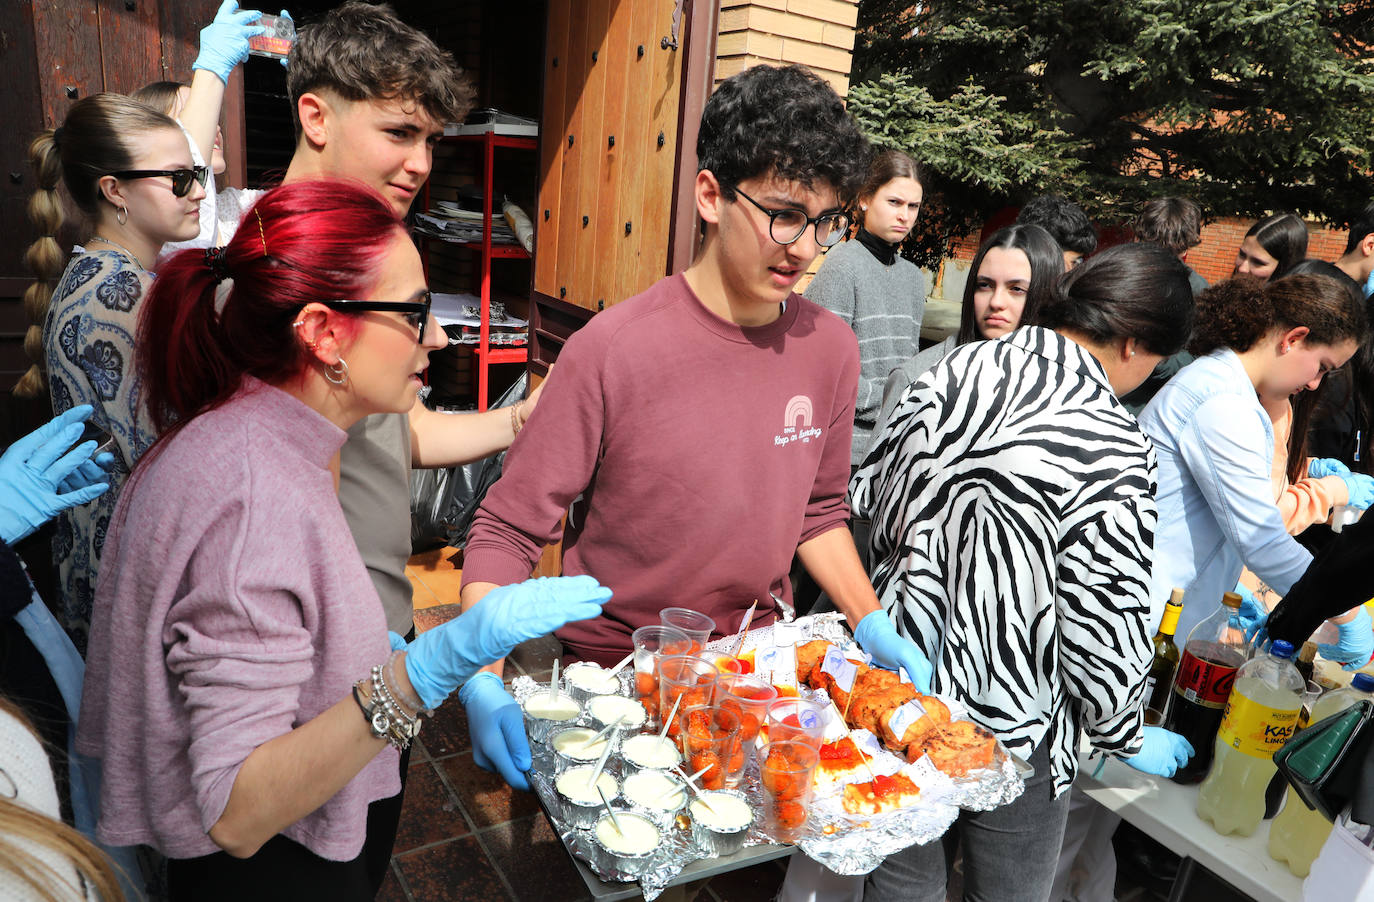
(397, 641)
(1318, 467)
(1251, 614)
(88, 472)
(1369, 284)
(33, 470)
(1355, 645)
(1360, 488)
(877, 636)
(443, 658)
(1162, 753)
(497, 728)
(224, 42)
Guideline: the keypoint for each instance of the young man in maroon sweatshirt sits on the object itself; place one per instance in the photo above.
(698, 434)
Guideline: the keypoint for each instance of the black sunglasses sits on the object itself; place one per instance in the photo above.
(787, 225)
(181, 178)
(416, 313)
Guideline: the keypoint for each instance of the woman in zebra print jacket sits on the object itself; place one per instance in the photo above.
(1012, 500)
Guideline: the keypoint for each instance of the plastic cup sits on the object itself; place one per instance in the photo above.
(711, 737)
(725, 663)
(650, 643)
(688, 677)
(786, 769)
(695, 624)
(749, 697)
(796, 718)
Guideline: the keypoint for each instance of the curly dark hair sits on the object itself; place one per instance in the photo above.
(362, 51)
(1231, 314)
(1064, 220)
(781, 121)
(1239, 312)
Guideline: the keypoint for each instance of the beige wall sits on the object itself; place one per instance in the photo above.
(815, 33)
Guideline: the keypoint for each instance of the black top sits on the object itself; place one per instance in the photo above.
(885, 251)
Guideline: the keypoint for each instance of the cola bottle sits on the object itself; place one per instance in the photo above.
(1206, 672)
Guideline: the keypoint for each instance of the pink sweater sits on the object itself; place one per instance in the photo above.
(702, 453)
(232, 607)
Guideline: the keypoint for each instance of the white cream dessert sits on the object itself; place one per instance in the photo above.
(726, 811)
(560, 707)
(653, 789)
(575, 784)
(635, 837)
(648, 750)
(592, 678)
(573, 743)
(607, 709)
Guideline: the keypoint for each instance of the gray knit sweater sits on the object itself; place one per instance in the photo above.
(883, 305)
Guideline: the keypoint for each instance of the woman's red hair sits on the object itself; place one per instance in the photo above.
(303, 242)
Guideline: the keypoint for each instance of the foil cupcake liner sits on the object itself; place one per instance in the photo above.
(720, 843)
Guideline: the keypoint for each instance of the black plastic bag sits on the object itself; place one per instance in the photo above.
(443, 500)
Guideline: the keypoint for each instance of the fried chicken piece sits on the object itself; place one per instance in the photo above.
(809, 654)
(874, 696)
(955, 748)
(937, 714)
(819, 679)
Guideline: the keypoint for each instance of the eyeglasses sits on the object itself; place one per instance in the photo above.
(415, 313)
(787, 225)
(181, 178)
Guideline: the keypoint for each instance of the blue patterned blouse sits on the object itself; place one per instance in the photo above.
(88, 339)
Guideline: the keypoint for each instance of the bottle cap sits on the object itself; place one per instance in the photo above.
(1362, 682)
(1281, 649)
(1230, 599)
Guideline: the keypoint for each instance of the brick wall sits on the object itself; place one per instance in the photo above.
(818, 34)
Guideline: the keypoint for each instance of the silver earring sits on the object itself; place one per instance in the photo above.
(337, 373)
(122, 215)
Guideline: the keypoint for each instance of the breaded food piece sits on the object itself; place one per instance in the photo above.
(937, 714)
(880, 795)
(874, 697)
(955, 748)
(809, 654)
(819, 679)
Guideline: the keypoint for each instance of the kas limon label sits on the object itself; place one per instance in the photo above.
(1254, 729)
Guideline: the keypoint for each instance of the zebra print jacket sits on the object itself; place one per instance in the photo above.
(1012, 500)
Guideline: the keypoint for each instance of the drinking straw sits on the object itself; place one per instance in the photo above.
(692, 786)
(553, 682)
(605, 803)
(602, 733)
(669, 719)
(623, 661)
(600, 766)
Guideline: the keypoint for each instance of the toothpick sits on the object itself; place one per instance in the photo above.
(744, 627)
(621, 666)
(669, 719)
(600, 766)
(692, 786)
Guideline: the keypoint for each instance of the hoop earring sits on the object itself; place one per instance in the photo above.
(124, 212)
(337, 373)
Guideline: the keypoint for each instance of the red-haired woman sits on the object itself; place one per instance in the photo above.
(241, 689)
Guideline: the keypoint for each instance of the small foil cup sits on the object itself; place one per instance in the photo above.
(633, 765)
(581, 813)
(718, 842)
(604, 709)
(593, 682)
(650, 803)
(607, 859)
(576, 754)
(538, 728)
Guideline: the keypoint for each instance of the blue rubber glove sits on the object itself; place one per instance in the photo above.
(224, 42)
(1360, 488)
(1369, 284)
(90, 471)
(497, 728)
(1356, 643)
(877, 636)
(1162, 753)
(443, 658)
(33, 469)
(1318, 467)
(397, 641)
(1251, 615)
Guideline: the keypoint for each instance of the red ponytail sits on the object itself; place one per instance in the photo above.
(303, 242)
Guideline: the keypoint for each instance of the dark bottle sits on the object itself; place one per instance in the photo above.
(1161, 678)
(1306, 660)
(1206, 671)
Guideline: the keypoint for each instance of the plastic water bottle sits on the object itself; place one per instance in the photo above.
(1298, 833)
(1261, 714)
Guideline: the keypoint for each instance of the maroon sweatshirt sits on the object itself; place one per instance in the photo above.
(695, 455)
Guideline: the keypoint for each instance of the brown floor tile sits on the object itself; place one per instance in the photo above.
(454, 870)
(391, 890)
(428, 618)
(446, 733)
(534, 861)
(420, 595)
(486, 797)
(535, 657)
(430, 813)
(759, 881)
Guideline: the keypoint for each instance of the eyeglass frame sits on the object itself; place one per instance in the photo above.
(198, 174)
(811, 221)
(421, 307)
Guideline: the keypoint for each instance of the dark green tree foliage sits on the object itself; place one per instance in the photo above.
(1246, 106)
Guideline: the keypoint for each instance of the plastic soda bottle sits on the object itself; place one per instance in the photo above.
(1297, 835)
(1202, 684)
(1260, 716)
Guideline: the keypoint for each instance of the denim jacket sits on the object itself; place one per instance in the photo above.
(1217, 515)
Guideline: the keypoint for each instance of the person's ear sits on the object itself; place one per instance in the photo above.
(1129, 346)
(316, 117)
(112, 191)
(709, 197)
(1367, 245)
(315, 328)
(1292, 337)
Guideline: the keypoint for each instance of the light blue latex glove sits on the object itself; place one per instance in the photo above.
(397, 641)
(1318, 467)
(1162, 753)
(1355, 645)
(91, 471)
(497, 728)
(1369, 284)
(1360, 488)
(443, 658)
(33, 470)
(224, 42)
(877, 636)
(1251, 615)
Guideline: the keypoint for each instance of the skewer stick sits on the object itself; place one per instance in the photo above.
(605, 803)
(621, 666)
(693, 787)
(553, 681)
(669, 719)
(675, 788)
(744, 627)
(601, 733)
(600, 766)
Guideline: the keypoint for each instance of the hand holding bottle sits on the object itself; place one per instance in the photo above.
(1162, 753)
(1317, 467)
(1250, 617)
(1356, 643)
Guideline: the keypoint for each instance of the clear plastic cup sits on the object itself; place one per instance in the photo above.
(711, 739)
(725, 662)
(687, 677)
(786, 770)
(795, 718)
(748, 696)
(651, 643)
(694, 623)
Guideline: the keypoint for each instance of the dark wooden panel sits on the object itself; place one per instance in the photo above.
(698, 75)
(552, 137)
(21, 114)
(593, 90)
(659, 174)
(640, 145)
(130, 45)
(575, 148)
(608, 228)
(182, 21)
(67, 35)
